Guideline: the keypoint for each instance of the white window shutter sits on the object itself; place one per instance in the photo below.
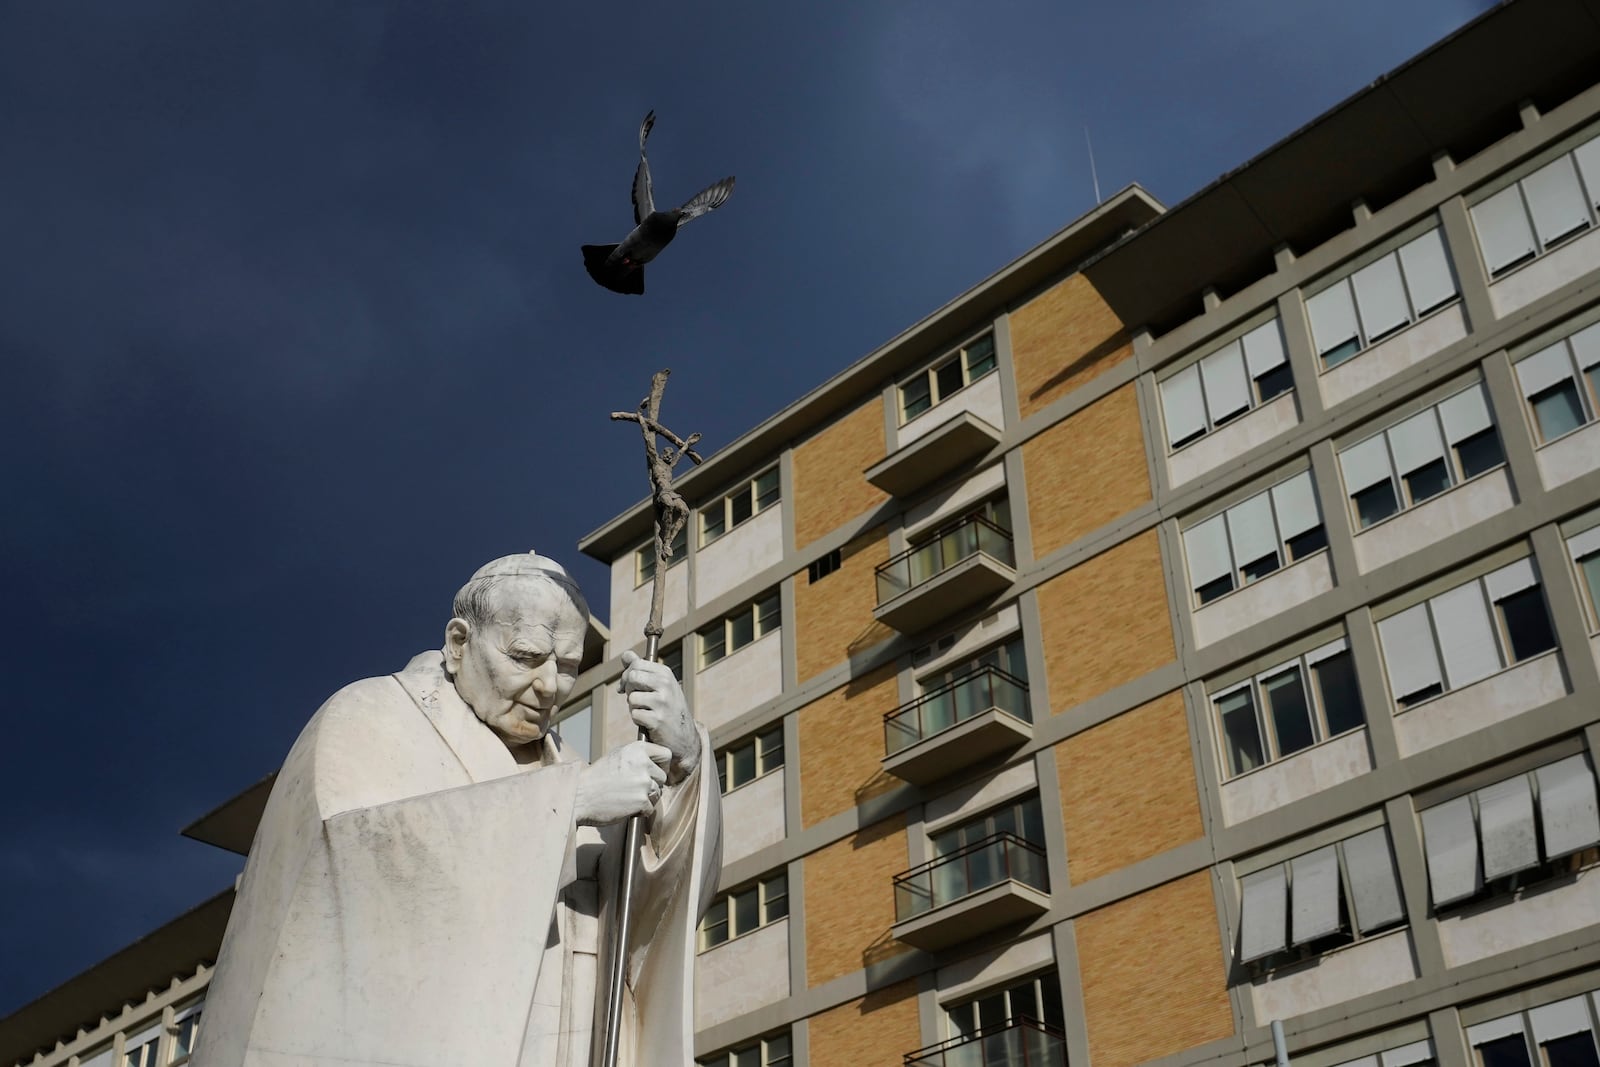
(1227, 389)
(1427, 271)
(1365, 464)
(1181, 405)
(1206, 545)
(99, 1059)
(1296, 504)
(1450, 839)
(1373, 880)
(1588, 158)
(1568, 811)
(1251, 531)
(1581, 544)
(1333, 317)
(1561, 1019)
(1332, 648)
(1381, 297)
(1543, 369)
(1494, 1029)
(1466, 635)
(1512, 578)
(1503, 231)
(1410, 1055)
(1408, 652)
(1556, 200)
(1505, 823)
(1263, 348)
(1263, 926)
(1415, 442)
(1314, 892)
(1586, 346)
(1465, 414)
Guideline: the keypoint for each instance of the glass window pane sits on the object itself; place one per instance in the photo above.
(1336, 687)
(713, 644)
(1375, 503)
(963, 1019)
(1426, 481)
(746, 911)
(1589, 567)
(1050, 992)
(767, 489)
(775, 891)
(741, 505)
(1257, 569)
(747, 1057)
(769, 750)
(1504, 1052)
(1557, 410)
(778, 1052)
(1527, 624)
(1290, 714)
(714, 522)
(1302, 545)
(980, 358)
(1573, 1050)
(992, 1010)
(714, 927)
(741, 629)
(679, 547)
(1032, 819)
(1276, 381)
(768, 614)
(947, 379)
(1219, 587)
(1479, 453)
(1240, 737)
(915, 396)
(743, 769)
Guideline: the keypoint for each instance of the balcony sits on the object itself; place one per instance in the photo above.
(962, 722)
(991, 883)
(958, 440)
(970, 561)
(1019, 1042)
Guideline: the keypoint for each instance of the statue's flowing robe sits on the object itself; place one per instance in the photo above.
(416, 896)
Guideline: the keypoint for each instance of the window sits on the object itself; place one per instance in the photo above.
(672, 658)
(644, 559)
(985, 528)
(1416, 1054)
(141, 1049)
(742, 910)
(1381, 299)
(186, 1029)
(747, 760)
(1225, 384)
(1585, 551)
(1319, 901)
(930, 387)
(773, 1051)
(575, 727)
(819, 569)
(1552, 1035)
(1021, 817)
(1254, 538)
(727, 636)
(1528, 218)
(1477, 629)
(1037, 998)
(1521, 830)
(750, 499)
(1288, 708)
(1562, 384)
(1416, 460)
(1005, 843)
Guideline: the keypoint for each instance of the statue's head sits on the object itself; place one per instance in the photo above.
(515, 643)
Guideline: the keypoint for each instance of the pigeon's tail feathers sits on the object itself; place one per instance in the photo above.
(708, 199)
(616, 277)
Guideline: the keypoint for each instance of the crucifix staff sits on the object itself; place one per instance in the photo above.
(671, 512)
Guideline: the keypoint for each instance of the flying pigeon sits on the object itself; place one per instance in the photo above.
(620, 267)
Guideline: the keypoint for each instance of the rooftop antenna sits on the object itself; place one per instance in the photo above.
(1092, 174)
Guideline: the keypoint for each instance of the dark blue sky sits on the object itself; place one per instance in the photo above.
(295, 332)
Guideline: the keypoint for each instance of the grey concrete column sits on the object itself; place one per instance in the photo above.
(1449, 1039)
(793, 819)
(1516, 435)
(800, 1043)
(1155, 442)
(1301, 350)
(1064, 940)
(1178, 594)
(928, 1008)
(786, 496)
(891, 419)
(1017, 496)
(1405, 831)
(1367, 657)
(1207, 771)
(797, 928)
(1224, 893)
(1336, 521)
(1047, 771)
(788, 628)
(1470, 273)
(1033, 651)
(1010, 406)
(1567, 615)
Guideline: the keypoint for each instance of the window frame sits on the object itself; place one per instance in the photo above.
(1235, 575)
(1305, 664)
(1366, 340)
(961, 355)
(764, 1044)
(1541, 248)
(1258, 397)
(766, 757)
(644, 557)
(750, 490)
(1044, 983)
(751, 609)
(1585, 383)
(771, 906)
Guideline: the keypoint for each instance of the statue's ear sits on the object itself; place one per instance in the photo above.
(456, 632)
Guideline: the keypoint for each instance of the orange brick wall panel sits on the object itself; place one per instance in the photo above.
(841, 746)
(1061, 339)
(879, 1029)
(849, 889)
(830, 488)
(1085, 471)
(1105, 621)
(1127, 789)
(833, 618)
(1154, 982)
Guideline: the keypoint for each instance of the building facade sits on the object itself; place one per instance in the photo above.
(1190, 628)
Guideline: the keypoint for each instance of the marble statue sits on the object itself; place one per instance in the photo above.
(433, 882)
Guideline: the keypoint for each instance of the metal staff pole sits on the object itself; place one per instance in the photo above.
(670, 515)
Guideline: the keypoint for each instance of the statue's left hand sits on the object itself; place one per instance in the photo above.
(658, 707)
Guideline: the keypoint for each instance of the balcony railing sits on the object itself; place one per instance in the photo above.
(1019, 1042)
(1002, 857)
(952, 703)
(959, 541)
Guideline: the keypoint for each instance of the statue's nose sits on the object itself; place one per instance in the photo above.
(544, 679)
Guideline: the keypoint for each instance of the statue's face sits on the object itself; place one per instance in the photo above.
(515, 671)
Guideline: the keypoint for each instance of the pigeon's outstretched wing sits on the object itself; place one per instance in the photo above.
(708, 199)
(644, 201)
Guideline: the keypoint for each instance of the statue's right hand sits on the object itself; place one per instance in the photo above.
(625, 781)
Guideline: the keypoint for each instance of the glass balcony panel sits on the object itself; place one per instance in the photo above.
(1018, 1042)
(953, 703)
(970, 869)
(947, 548)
